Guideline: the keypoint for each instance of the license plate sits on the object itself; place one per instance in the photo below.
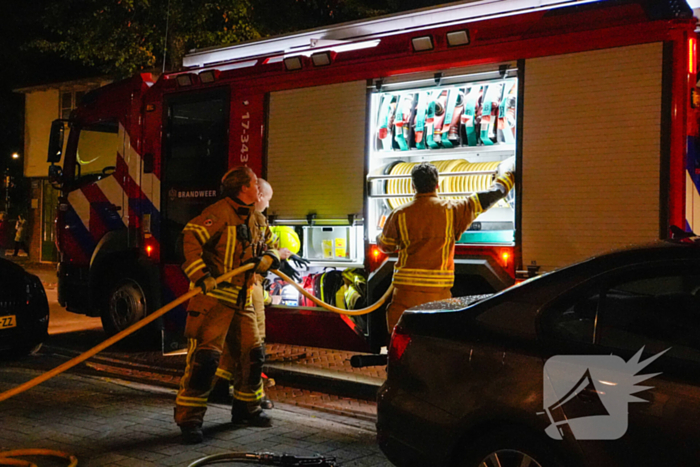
(8, 322)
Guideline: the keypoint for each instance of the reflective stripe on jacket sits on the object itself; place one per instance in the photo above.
(424, 232)
(218, 241)
(263, 238)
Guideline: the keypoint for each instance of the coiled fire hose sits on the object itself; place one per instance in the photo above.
(7, 457)
(448, 184)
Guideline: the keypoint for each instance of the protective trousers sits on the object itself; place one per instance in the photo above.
(259, 307)
(243, 357)
(404, 298)
(208, 323)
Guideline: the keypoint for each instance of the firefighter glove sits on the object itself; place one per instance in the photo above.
(505, 178)
(265, 262)
(207, 283)
(506, 167)
(300, 262)
(287, 269)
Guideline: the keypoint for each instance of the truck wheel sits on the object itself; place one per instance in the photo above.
(127, 303)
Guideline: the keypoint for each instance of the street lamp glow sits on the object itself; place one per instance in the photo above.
(15, 155)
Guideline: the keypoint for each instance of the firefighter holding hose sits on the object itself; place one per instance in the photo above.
(424, 232)
(215, 242)
(263, 239)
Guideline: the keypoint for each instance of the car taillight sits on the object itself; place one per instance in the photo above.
(399, 342)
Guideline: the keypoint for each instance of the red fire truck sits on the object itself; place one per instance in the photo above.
(594, 98)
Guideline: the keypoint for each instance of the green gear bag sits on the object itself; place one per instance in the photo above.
(430, 120)
(451, 103)
(491, 98)
(470, 104)
(420, 120)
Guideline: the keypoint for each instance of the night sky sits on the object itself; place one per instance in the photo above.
(22, 67)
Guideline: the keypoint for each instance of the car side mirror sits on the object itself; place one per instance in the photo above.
(58, 129)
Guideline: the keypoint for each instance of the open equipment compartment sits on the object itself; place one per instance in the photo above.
(463, 126)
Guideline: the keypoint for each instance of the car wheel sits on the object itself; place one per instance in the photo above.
(127, 303)
(508, 458)
(507, 448)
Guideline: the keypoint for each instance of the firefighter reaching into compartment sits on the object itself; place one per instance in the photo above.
(215, 242)
(424, 233)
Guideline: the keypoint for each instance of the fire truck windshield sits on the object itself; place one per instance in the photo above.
(97, 149)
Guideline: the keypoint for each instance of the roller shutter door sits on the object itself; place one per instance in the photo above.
(590, 154)
(316, 151)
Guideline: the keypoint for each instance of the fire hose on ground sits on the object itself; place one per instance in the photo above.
(7, 457)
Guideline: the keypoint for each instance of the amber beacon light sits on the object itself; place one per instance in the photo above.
(692, 55)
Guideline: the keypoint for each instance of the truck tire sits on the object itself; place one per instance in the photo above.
(126, 303)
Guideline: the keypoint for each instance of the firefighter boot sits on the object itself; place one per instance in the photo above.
(191, 434)
(266, 403)
(242, 414)
(221, 392)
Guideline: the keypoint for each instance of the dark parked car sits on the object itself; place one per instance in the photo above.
(474, 385)
(24, 310)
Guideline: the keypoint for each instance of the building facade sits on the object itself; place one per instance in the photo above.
(44, 104)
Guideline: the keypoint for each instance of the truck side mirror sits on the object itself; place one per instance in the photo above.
(56, 142)
(55, 174)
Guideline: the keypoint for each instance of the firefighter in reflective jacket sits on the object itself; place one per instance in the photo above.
(262, 240)
(215, 242)
(424, 232)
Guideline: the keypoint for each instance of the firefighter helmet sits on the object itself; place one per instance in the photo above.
(288, 238)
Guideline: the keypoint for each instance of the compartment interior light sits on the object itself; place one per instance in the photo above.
(457, 38)
(292, 63)
(422, 44)
(321, 58)
(184, 80)
(209, 76)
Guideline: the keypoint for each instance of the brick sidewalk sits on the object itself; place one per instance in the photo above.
(112, 423)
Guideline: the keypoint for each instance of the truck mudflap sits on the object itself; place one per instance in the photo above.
(72, 283)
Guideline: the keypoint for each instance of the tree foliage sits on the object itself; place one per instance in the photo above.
(284, 16)
(122, 37)
(125, 36)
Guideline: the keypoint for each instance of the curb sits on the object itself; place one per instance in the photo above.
(326, 381)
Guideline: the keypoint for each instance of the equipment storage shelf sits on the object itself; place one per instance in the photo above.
(465, 129)
(335, 255)
(459, 152)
